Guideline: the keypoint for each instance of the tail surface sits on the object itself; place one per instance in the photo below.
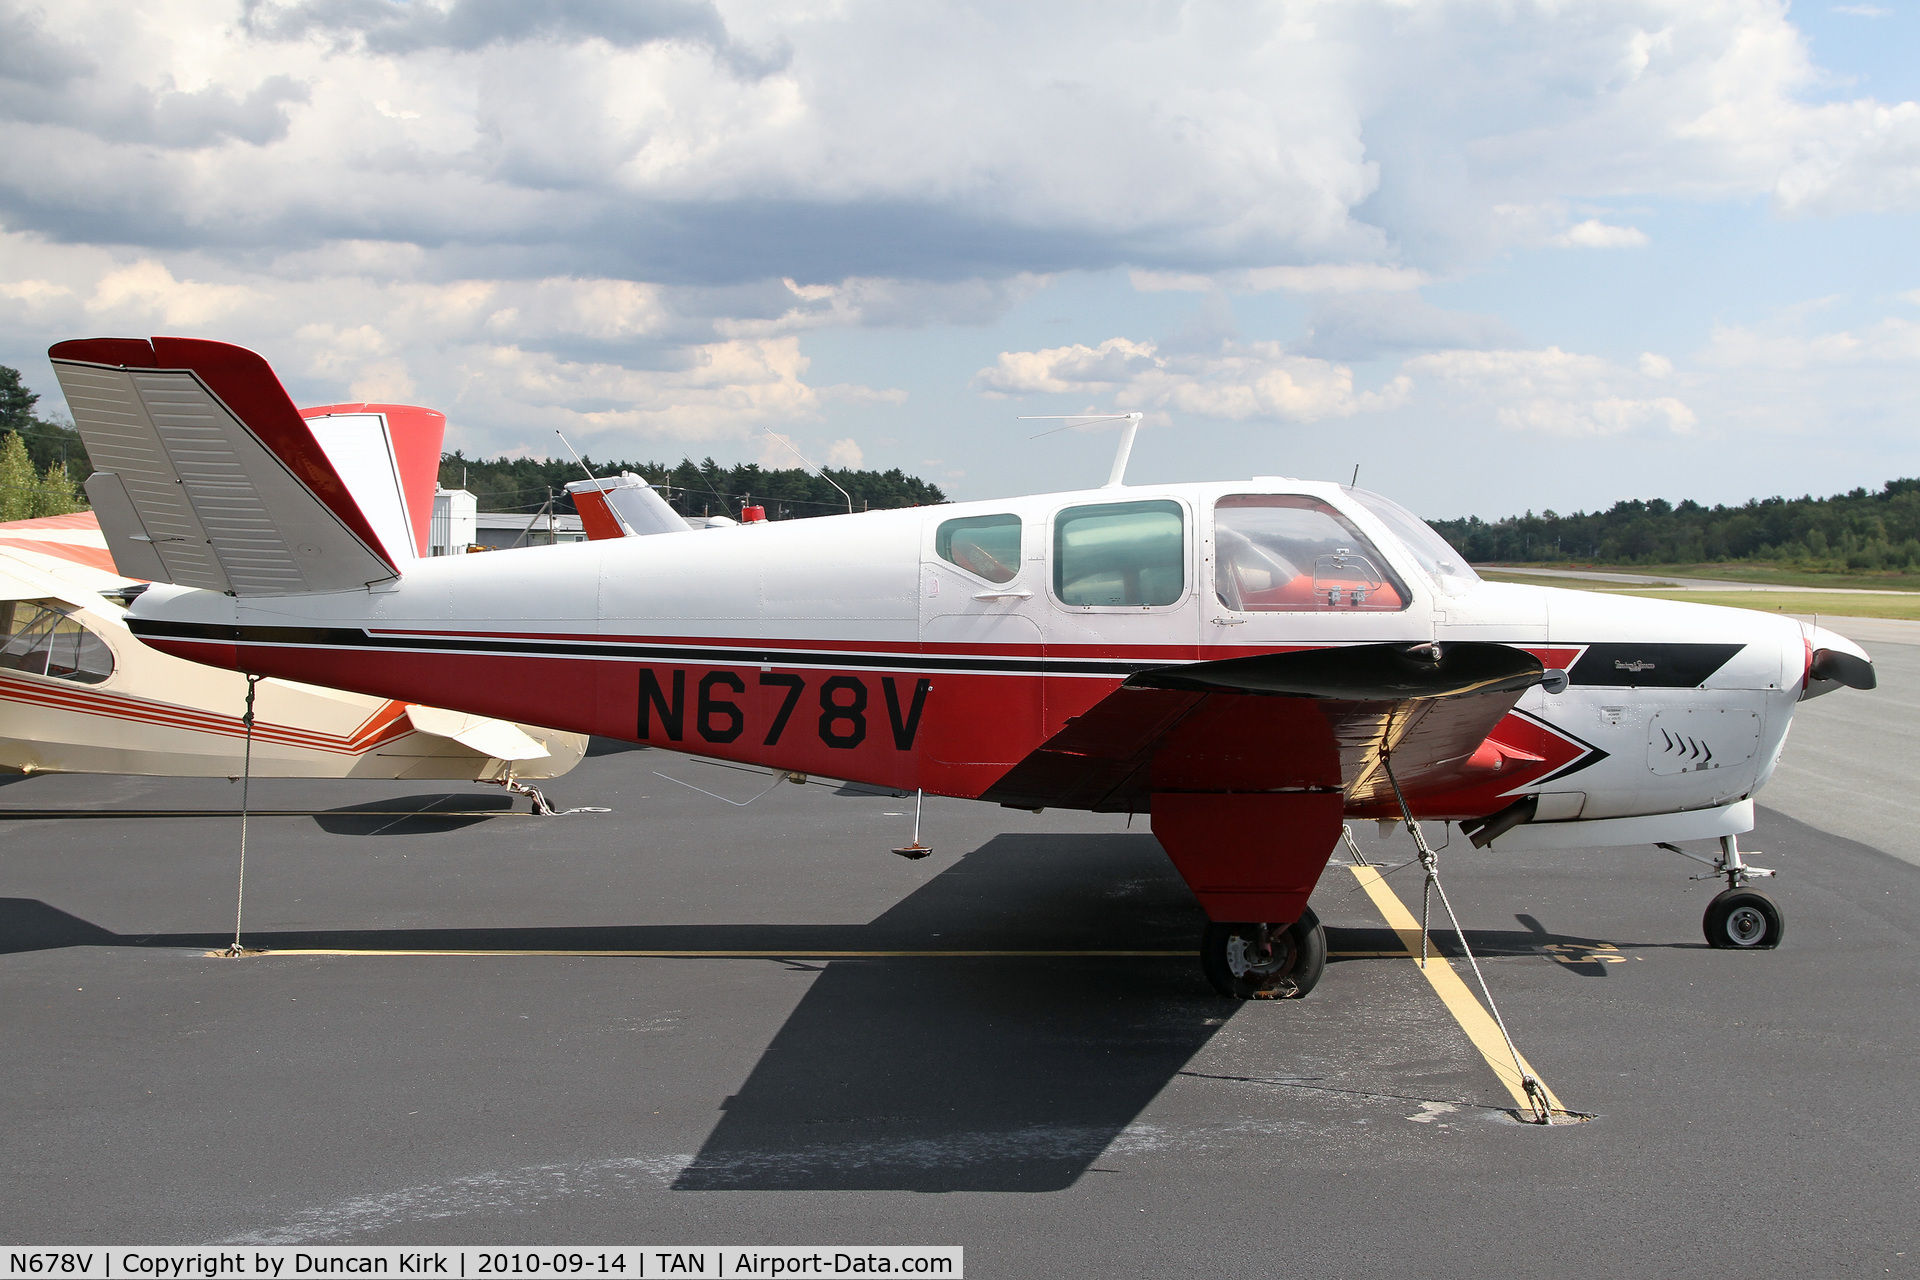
(209, 477)
(623, 506)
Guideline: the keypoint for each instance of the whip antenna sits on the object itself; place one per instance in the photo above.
(809, 466)
(576, 454)
(1117, 477)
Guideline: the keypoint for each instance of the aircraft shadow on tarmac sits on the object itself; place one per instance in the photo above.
(923, 1073)
(415, 815)
(380, 817)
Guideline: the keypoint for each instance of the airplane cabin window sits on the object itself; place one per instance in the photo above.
(1286, 552)
(1121, 553)
(985, 545)
(40, 639)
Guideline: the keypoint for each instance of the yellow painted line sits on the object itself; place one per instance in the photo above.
(1461, 1002)
(790, 954)
(754, 955)
(11, 814)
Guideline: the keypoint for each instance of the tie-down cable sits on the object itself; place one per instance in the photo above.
(1430, 861)
(235, 951)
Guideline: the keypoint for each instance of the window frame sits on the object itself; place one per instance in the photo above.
(1189, 572)
(1380, 556)
(63, 611)
(1020, 562)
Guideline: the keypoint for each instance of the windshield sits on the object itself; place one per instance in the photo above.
(37, 636)
(1280, 551)
(1447, 567)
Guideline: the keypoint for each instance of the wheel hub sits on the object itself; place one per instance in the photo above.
(1746, 925)
(1257, 955)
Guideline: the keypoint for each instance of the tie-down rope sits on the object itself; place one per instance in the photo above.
(1535, 1091)
(246, 783)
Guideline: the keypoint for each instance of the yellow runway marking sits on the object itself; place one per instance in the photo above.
(1461, 1002)
(793, 953)
(799, 954)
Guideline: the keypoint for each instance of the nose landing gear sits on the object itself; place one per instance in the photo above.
(1739, 918)
(1265, 961)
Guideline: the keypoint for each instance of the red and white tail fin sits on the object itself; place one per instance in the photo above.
(623, 506)
(389, 455)
(208, 476)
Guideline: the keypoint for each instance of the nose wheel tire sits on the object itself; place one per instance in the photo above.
(1743, 920)
(1265, 961)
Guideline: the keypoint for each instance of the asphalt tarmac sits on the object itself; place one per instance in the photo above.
(1851, 762)
(1752, 1113)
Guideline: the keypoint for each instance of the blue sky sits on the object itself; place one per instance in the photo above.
(1501, 255)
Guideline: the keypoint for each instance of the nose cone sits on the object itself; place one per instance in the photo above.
(1834, 661)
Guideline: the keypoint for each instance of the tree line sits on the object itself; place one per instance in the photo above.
(1859, 529)
(41, 463)
(691, 488)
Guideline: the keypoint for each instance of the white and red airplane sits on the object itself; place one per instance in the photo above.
(1249, 662)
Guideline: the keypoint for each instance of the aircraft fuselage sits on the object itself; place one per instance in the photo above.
(891, 649)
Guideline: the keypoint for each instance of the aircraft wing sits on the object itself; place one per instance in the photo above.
(1313, 720)
(490, 737)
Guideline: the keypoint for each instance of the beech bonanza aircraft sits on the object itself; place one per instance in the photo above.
(1251, 663)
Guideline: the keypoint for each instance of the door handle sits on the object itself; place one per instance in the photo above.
(1003, 595)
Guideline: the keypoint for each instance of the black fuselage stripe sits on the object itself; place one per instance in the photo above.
(703, 655)
(344, 638)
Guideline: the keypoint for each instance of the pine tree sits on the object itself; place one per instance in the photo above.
(16, 402)
(18, 484)
(57, 496)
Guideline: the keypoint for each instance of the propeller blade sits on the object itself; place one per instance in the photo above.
(1842, 668)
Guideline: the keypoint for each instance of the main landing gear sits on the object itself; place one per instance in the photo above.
(1265, 961)
(1739, 918)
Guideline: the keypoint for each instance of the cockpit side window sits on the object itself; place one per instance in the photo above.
(37, 637)
(1287, 552)
(1120, 553)
(985, 545)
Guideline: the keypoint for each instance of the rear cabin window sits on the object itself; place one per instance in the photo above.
(1120, 553)
(985, 545)
(1284, 552)
(37, 637)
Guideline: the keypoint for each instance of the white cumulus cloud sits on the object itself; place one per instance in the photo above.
(1555, 392)
(1236, 382)
(1595, 234)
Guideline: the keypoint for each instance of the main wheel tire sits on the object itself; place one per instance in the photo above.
(1743, 920)
(1265, 961)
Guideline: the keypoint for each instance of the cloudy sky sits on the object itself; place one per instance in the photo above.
(1500, 254)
